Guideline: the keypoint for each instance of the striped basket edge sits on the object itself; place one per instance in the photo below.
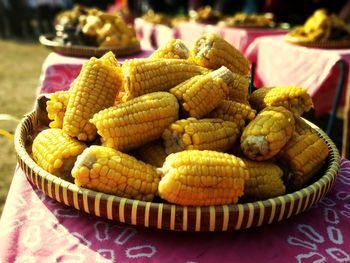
(86, 51)
(325, 44)
(168, 216)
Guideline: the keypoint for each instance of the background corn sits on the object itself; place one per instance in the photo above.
(296, 99)
(194, 177)
(265, 136)
(95, 89)
(265, 181)
(107, 170)
(56, 152)
(212, 51)
(204, 134)
(174, 48)
(131, 124)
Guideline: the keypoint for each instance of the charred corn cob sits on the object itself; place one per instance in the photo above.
(236, 112)
(296, 99)
(95, 89)
(239, 88)
(204, 134)
(174, 48)
(146, 75)
(201, 94)
(136, 122)
(265, 181)
(110, 171)
(56, 108)
(304, 155)
(265, 136)
(152, 153)
(212, 51)
(194, 177)
(56, 152)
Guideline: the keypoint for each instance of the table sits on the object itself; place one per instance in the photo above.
(152, 35)
(34, 228)
(240, 38)
(281, 63)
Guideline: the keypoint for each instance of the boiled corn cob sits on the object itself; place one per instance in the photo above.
(264, 136)
(239, 88)
(146, 75)
(212, 51)
(236, 112)
(152, 153)
(95, 89)
(194, 177)
(56, 108)
(131, 124)
(201, 94)
(56, 152)
(296, 99)
(265, 181)
(304, 155)
(174, 48)
(110, 171)
(204, 134)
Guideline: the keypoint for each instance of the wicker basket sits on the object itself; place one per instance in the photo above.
(168, 216)
(325, 44)
(86, 51)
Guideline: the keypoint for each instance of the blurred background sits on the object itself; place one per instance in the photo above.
(21, 55)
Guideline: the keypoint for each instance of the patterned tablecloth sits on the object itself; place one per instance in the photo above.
(281, 63)
(35, 228)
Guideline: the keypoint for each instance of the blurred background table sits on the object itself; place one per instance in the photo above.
(240, 38)
(279, 63)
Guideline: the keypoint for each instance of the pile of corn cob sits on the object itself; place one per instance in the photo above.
(180, 125)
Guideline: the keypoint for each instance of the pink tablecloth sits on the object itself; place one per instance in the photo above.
(34, 228)
(281, 63)
(240, 38)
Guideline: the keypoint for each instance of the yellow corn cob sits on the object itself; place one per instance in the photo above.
(265, 181)
(296, 99)
(174, 48)
(136, 122)
(95, 89)
(212, 51)
(152, 153)
(264, 136)
(304, 155)
(194, 177)
(239, 88)
(146, 75)
(56, 108)
(56, 152)
(204, 134)
(201, 94)
(110, 171)
(236, 112)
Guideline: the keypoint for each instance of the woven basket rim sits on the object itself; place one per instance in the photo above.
(329, 175)
(327, 44)
(88, 51)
